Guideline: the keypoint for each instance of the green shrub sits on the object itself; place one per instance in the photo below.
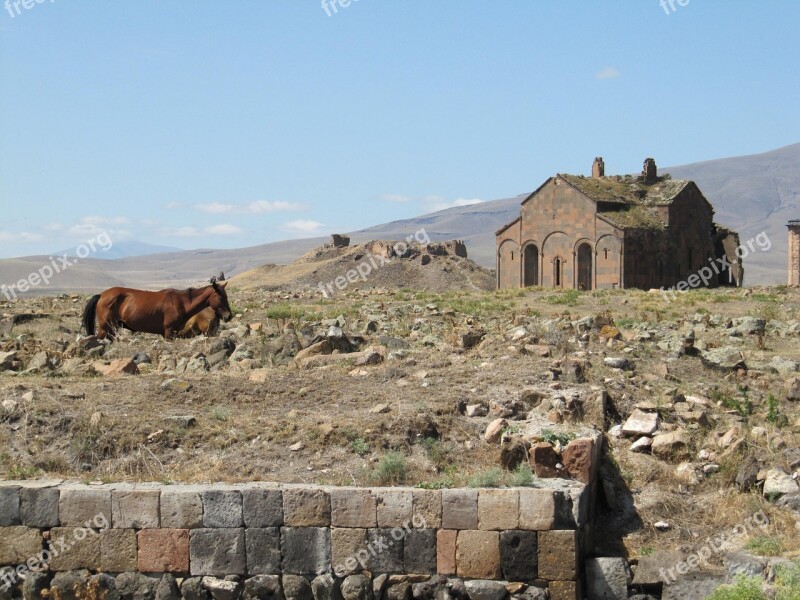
(765, 545)
(359, 446)
(391, 470)
(743, 588)
(489, 478)
(522, 476)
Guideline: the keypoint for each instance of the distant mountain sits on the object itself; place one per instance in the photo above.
(751, 194)
(123, 250)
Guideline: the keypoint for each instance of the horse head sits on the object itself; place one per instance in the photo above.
(219, 300)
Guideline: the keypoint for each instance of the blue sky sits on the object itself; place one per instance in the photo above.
(228, 124)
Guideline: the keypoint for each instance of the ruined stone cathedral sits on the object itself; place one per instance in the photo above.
(622, 231)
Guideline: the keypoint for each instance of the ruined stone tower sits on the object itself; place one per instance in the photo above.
(598, 167)
(794, 252)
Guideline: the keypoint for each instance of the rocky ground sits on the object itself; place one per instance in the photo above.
(697, 399)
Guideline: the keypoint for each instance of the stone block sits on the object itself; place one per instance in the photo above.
(578, 459)
(353, 508)
(460, 509)
(76, 547)
(478, 554)
(163, 550)
(306, 550)
(419, 551)
(118, 550)
(427, 509)
(79, 506)
(498, 509)
(545, 460)
(558, 555)
(263, 546)
(306, 507)
(607, 578)
(134, 509)
(217, 552)
(181, 509)
(9, 505)
(18, 544)
(262, 587)
(262, 508)
(446, 551)
(537, 509)
(563, 590)
(395, 507)
(519, 555)
(386, 552)
(39, 506)
(222, 508)
(346, 544)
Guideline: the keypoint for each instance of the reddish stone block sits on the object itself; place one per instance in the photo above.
(558, 555)
(478, 554)
(545, 460)
(446, 551)
(578, 457)
(498, 509)
(163, 550)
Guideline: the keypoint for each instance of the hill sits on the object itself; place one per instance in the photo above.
(751, 194)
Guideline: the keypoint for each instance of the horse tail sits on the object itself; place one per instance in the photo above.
(89, 314)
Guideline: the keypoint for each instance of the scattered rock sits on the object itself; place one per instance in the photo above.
(777, 483)
(495, 430)
(641, 423)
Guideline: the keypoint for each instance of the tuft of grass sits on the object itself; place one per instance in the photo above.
(743, 588)
(359, 446)
(552, 437)
(566, 298)
(787, 580)
(522, 476)
(489, 478)
(391, 470)
(773, 412)
(765, 545)
(221, 413)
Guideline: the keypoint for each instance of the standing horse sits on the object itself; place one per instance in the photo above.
(165, 312)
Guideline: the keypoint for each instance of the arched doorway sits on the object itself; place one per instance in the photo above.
(530, 266)
(557, 268)
(584, 267)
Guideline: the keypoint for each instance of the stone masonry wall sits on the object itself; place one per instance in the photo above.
(335, 538)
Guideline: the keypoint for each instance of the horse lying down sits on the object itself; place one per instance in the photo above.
(166, 312)
(206, 322)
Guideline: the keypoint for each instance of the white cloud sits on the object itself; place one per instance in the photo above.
(188, 231)
(608, 73)
(435, 203)
(395, 198)
(173, 205)
(98, 220)
(19, 236)
(223, 229)
(303, 227)
(256, 207)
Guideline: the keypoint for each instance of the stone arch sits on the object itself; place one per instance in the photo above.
(557, 245)
(508, 265)
(530, 264)
(584, 265)
(608, 262)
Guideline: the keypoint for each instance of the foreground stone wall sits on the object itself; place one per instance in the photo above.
(366, 539)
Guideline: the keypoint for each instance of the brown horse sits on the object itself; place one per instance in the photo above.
(165, 312)
(206, 322)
